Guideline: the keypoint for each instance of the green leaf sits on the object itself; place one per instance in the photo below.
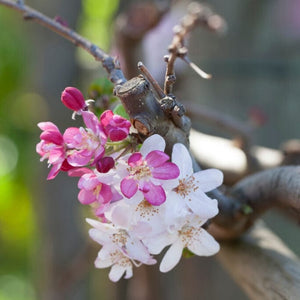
(187, 253)
(102, 86)
(247, 210)
(120, 110)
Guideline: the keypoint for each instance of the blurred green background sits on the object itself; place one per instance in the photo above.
(21, 108)
(42, 227)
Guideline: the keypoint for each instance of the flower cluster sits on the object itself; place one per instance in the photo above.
(143, 202)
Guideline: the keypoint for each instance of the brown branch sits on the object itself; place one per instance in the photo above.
(110, 64)
(251, 197)
(147, 115)
(135, 95)
(262, 265)
(198, 14)
(159, 92)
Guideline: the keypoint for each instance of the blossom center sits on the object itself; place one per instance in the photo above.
(146, 210)
(120, 237)
(97, 190)
(91, 140)
(186, 186)
(120, 259)
(140, 171)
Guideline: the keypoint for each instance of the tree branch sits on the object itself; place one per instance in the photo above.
(109, 63)
(251, 197)
(262, 265)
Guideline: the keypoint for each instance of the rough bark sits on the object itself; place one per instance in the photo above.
(253, 196)
(262, 265)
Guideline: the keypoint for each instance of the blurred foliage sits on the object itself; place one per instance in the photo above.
(12, 52)
(16, 210)
(96, 20)
(120, 110)
(101, 90)
(20, 111)
(95, 25)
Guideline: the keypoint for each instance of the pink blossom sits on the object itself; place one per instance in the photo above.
(85, 145)
(115, 126)
(73, 99)
(145, 175)
(92, 190)
(51, 147)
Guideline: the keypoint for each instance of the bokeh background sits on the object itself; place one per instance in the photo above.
(45, 252)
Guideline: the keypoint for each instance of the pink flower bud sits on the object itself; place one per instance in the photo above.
(115, 126)
(73, 99)
(104, 164)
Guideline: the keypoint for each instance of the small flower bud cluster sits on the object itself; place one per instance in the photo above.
(142, 201)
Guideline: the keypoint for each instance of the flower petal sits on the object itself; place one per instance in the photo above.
(172, 257)
(99, 236)
(129, 187)
(202, 205)
(88, 181)
(157, 243)
(86, 197)
(181, 157)
(128, 273)
(103, 263)
(208, 180)
(167, 171)
(91, 121)
(78, 172)
(120, 215)
(72, 136)
(203, 244)
(154, 194)
(137, 251)
(79, 158)
(156, 158)
(45, 126)
(116, 272)
(54, 171)
(118, 134)
(135, 159)
(154, 142)
(105, 193)
(52, 137)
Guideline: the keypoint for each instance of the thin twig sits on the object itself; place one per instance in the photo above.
(199, 71)
(108, 62)
(198, 14)
(160, 93)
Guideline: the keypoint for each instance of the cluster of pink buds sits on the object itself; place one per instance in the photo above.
(142, 201)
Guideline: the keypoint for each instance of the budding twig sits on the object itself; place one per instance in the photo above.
(198, 14)
(109, 63)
